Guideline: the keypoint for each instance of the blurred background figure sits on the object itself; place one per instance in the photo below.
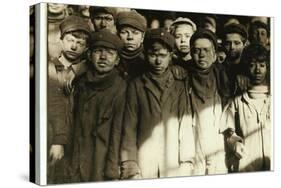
(155, 23)
(221, 54)
(83, 11)
(167, 24)
(122, 9)
(230, 21)
(103, 18)
(56, 14)
(259, 33)
(261, 19)
(209, 22)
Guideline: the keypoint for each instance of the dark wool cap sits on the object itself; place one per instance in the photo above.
(236, 28)
(74, 23)
(96, 10)
(105, 38)
(204, 34)
(258, 24)
(161, 35)
(133, 19)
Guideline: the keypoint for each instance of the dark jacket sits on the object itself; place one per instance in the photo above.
(154, 126)
(132, 65)
(99, 105)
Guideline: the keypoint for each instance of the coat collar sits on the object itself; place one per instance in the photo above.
(161, 96)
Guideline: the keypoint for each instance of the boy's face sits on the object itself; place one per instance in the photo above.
(182, 35)
(158, 57)
(103, 59)
(258, 71)
(203, 53)
(131, 37)
(234, 45)
(260, 36)
(72, 47)
(103, 21)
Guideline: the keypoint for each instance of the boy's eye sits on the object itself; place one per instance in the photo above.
(237, 42)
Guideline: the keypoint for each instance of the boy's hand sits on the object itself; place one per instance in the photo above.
(130, 170)
(56, 152)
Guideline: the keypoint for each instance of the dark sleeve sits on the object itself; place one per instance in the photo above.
(113, 157)
(58, 129)
(129, 139)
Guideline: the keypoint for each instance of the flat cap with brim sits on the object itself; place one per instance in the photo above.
(105, 38)
(74, 23)
(133, 19)
(204, 34)
(96, 10)
(181, 20)
(235, 28)
(161, 35)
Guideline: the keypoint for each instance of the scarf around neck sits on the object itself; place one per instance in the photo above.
(97, 82)
(128, 55)
(203, 83)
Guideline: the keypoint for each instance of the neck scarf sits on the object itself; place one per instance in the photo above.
(128, 55)
(203, 82)
(98, 82)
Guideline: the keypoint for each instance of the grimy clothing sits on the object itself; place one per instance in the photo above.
(157, 130)
(99, 104)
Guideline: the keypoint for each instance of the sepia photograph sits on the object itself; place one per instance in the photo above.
(145, 94)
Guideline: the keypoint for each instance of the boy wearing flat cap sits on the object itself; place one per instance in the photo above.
(182, 29)
(63, 72)
(157, 135)
(207, 90)
(100, 98)
(103, 18)
(131, 27)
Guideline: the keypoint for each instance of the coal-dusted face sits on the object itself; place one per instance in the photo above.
(158, 57)
(203, 53)
(103, 59)
(103, 21)
(258, 71)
